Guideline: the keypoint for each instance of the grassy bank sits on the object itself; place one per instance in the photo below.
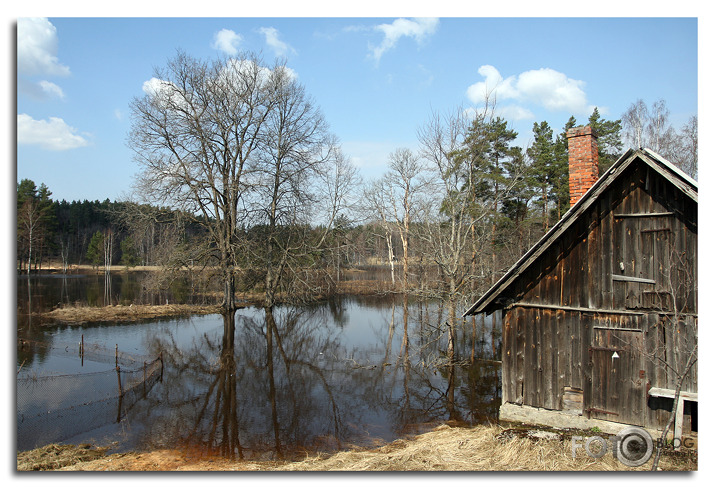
(479, 448)
(125, 313)
(78, 314)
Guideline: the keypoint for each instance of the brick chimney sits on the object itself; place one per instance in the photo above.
(583, 161)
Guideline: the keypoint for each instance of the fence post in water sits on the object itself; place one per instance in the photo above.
(116, 356)
(81, 351)
(119, 382)
(161, 358)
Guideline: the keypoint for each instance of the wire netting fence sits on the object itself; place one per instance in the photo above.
(54, 407)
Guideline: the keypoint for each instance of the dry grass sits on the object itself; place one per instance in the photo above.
(126, 313)
(55, 456)
(79, 314)
(480, 448)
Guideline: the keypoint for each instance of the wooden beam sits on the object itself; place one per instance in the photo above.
(633, 279)
(643, 215)
(574, 309)
(668, 393)
(679, 407)
(624, 329)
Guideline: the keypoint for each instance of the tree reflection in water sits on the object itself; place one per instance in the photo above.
(281, 382)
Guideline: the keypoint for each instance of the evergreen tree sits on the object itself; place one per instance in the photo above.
(130, 256)
(542, 172)
(35, 222)
(95, 249)
(560, 172)
(610, 144)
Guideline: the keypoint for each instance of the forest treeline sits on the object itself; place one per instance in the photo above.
(253, 186)
(534, 196)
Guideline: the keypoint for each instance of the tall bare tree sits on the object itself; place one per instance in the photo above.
(406, 182)
(394, 200)
(635, 120)
(651, 128)
(683, 151)
(460, 222)
(195, 134)
(376, 207)
(299, 177)
(448, 226)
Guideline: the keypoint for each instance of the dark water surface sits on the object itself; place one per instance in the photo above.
(350, 371)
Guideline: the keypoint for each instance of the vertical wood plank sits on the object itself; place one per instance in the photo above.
(547, 365)
(519, 363)
(507, 364)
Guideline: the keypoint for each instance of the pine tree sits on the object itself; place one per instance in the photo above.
(560, 172)
(95, 249)
(541, 171)
(35, 222)
(610, 145)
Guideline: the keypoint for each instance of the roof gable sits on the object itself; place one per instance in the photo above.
(490, 300)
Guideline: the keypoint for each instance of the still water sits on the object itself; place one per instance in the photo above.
(345, 372)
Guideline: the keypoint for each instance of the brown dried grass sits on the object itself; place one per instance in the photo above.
(472, 449)
(480, 448)
(56, 456)
(126, 313)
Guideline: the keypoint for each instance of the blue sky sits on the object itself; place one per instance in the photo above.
(376, 79)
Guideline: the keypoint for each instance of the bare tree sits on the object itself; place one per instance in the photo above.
(299, 177)
(404, 183)
(658, 131)
(651, 128)
(237, 145)
(685, 152)
(29, 218)
(634, 122)
(107, 249)
(675, 344)
(458, 226)
(376, 207)
(393, 201)
(447, 227)
(195, 133)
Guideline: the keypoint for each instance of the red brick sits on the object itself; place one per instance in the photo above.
(583, 161)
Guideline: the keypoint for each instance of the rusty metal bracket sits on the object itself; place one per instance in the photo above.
(598, 410)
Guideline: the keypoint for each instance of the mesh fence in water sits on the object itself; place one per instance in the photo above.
(54, 407)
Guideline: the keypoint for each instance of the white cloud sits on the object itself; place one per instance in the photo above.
(514, 112)
(279, 47)
(544, 87)
(246, 67)
(42, 90)
(37, 48)
(170, 95)
(51, 89)
(227, 41)
(418, 29)
(53, 134)
(153, 87)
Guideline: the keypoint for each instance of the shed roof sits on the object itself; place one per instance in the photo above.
(491, 300)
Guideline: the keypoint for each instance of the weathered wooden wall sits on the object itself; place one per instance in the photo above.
(620, 279)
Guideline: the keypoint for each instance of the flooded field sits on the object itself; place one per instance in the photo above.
(344, 372)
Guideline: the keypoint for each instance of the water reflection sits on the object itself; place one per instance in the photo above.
(281, 382)
(277, 383)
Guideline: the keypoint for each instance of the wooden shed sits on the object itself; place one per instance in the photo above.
(600, 317)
